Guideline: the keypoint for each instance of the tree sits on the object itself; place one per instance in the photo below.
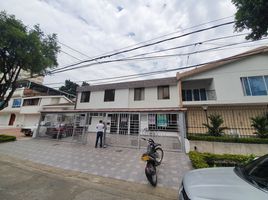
(85, 84)
(260, 124)
(214, 128)
(69, 87)
(253, 15)
(22, 49)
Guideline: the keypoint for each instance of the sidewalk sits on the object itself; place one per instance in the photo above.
(118, 163)
(25, 180)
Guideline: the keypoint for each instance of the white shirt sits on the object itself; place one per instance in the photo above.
(100, 127)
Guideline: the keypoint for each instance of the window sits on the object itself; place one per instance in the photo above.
(194, 95)
(109, 95)
(16, 103)
(162, 122)
(31, 102)
(163, 92)
(255, 85)
(85, 96)
(138, 94)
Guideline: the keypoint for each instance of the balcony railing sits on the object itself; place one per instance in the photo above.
(211, 95)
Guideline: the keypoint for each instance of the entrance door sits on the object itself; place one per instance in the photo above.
(12, 119)
(123, 124)
(134, 124)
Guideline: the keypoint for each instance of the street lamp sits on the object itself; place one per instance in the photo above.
(205, 108)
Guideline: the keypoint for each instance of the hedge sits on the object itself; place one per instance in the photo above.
(227, 139)
(7, 138)
(204, 160)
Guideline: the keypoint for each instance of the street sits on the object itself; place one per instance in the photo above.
(22, 179)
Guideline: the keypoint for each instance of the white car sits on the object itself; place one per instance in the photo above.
(249, 182)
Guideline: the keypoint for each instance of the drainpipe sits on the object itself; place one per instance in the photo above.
(180, 93)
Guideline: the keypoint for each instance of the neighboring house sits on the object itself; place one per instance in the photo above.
(235, 87)
(26, 103)
(129, 109)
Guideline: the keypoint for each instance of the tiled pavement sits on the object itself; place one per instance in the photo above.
(115, 162)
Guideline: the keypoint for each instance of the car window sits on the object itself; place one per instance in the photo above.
(256, 172)
(259, 168)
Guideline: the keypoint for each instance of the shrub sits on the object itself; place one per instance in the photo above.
(260, 123)
(214, 128)
(203, 137)
(204, 160)
(7, 138)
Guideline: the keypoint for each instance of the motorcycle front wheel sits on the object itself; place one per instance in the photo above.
(150, 172)
(159, 154)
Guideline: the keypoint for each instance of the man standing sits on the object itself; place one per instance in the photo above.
(100, 129)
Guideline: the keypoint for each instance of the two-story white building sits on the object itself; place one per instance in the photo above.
(129, 109)
(234, 87)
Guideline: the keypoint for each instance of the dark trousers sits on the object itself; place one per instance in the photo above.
(99, 136)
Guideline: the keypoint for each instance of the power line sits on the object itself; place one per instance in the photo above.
(146, 45)
(162, 36)
(70, 55)
(137, 75)
(74, 49)
(149, 57)
(188, 45)
(194, 66)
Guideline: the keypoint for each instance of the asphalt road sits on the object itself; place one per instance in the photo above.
(25, 180)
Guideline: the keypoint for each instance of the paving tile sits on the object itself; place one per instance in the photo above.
(115, 162)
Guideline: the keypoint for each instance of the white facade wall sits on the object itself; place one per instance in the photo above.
(27, 115)
(151, 99)
(31, 120)
(124, 98)
(227, 83)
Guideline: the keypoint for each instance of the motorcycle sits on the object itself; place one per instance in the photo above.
(153, 157)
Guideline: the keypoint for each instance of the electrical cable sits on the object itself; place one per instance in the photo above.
(147, 45)
(149, 57)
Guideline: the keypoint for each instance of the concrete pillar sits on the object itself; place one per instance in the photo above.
(182, 129)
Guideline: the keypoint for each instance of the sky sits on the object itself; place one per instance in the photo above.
(96, 27)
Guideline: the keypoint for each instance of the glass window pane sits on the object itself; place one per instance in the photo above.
(266, 81)
(109, 95)
(189, 95)
(196, 95)
(183, 95)
(163, 92)
(203, 94)
(257, 85)
(16, 103)
(246, 86)
(138, 94)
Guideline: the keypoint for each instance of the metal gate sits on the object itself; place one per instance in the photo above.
(124, 130)
(128, 129)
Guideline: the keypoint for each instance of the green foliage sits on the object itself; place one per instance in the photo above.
(203, 137)
(84, 83)
(214, 128)
(204, 160)
(260, 123)
(22, 49)
(253, 15)
(7, 138)
(69, 87)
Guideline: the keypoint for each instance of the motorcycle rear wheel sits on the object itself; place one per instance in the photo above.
(150, 172)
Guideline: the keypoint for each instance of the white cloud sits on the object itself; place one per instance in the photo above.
(98, 26)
